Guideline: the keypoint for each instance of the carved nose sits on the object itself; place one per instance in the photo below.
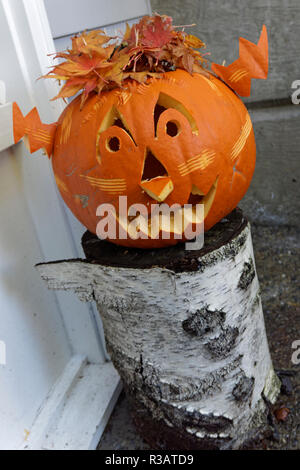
(158, 188)
(155, 180)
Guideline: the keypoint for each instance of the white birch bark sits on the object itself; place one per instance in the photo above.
(191, 347)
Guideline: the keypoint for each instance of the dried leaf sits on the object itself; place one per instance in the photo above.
(148, 49)
(68, 91)
(157, 33)
(127, 33)
(193, 41)
(89, 42)
(282, 413)
(140, 77)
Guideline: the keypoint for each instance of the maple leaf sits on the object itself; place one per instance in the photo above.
(89, 42)
(83, 64)
(157, 33)
(127, 33)
(68, 91)
(89, 86)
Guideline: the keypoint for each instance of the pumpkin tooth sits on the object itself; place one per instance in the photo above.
(210, 197)
(196, 191)
(162, 225)
(191, 216)
(177, 222)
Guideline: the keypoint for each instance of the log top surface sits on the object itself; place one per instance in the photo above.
(176, 258)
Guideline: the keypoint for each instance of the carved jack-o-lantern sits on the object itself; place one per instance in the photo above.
(160, 139)
(177, 140)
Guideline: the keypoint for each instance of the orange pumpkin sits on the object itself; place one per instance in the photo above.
(179, 139)
(157, 139)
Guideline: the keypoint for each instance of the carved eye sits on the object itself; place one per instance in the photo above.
(173, 128)
(113, 144)
(113, 135)
(167, 107)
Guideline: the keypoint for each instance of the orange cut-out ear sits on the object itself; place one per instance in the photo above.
(36, 134)
(253, 62)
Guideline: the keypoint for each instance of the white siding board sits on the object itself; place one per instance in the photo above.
(72, 16)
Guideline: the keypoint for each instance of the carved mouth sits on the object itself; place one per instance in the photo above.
(174, 222)
(197, 197)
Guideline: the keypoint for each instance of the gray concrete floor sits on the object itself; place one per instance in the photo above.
(277, 252)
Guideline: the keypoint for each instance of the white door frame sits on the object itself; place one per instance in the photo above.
(33, 42)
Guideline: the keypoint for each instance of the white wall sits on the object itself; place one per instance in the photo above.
(37, 348)
(72, 16)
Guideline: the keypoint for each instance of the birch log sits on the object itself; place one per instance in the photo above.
(186, 332)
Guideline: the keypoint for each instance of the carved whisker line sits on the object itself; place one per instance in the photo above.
(212, 85)
(47, 140)
(95, 110)
(238, 75)
(37, 132)
(112, 186)
(198, 162)
(206, 153)
(66, 127)
(241, 142)
(123, 97)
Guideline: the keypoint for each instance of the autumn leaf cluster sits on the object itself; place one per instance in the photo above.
(97, 62)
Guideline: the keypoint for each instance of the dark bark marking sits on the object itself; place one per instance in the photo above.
(247, 276)
(243, 389)
(203, 321)
(222, 345)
